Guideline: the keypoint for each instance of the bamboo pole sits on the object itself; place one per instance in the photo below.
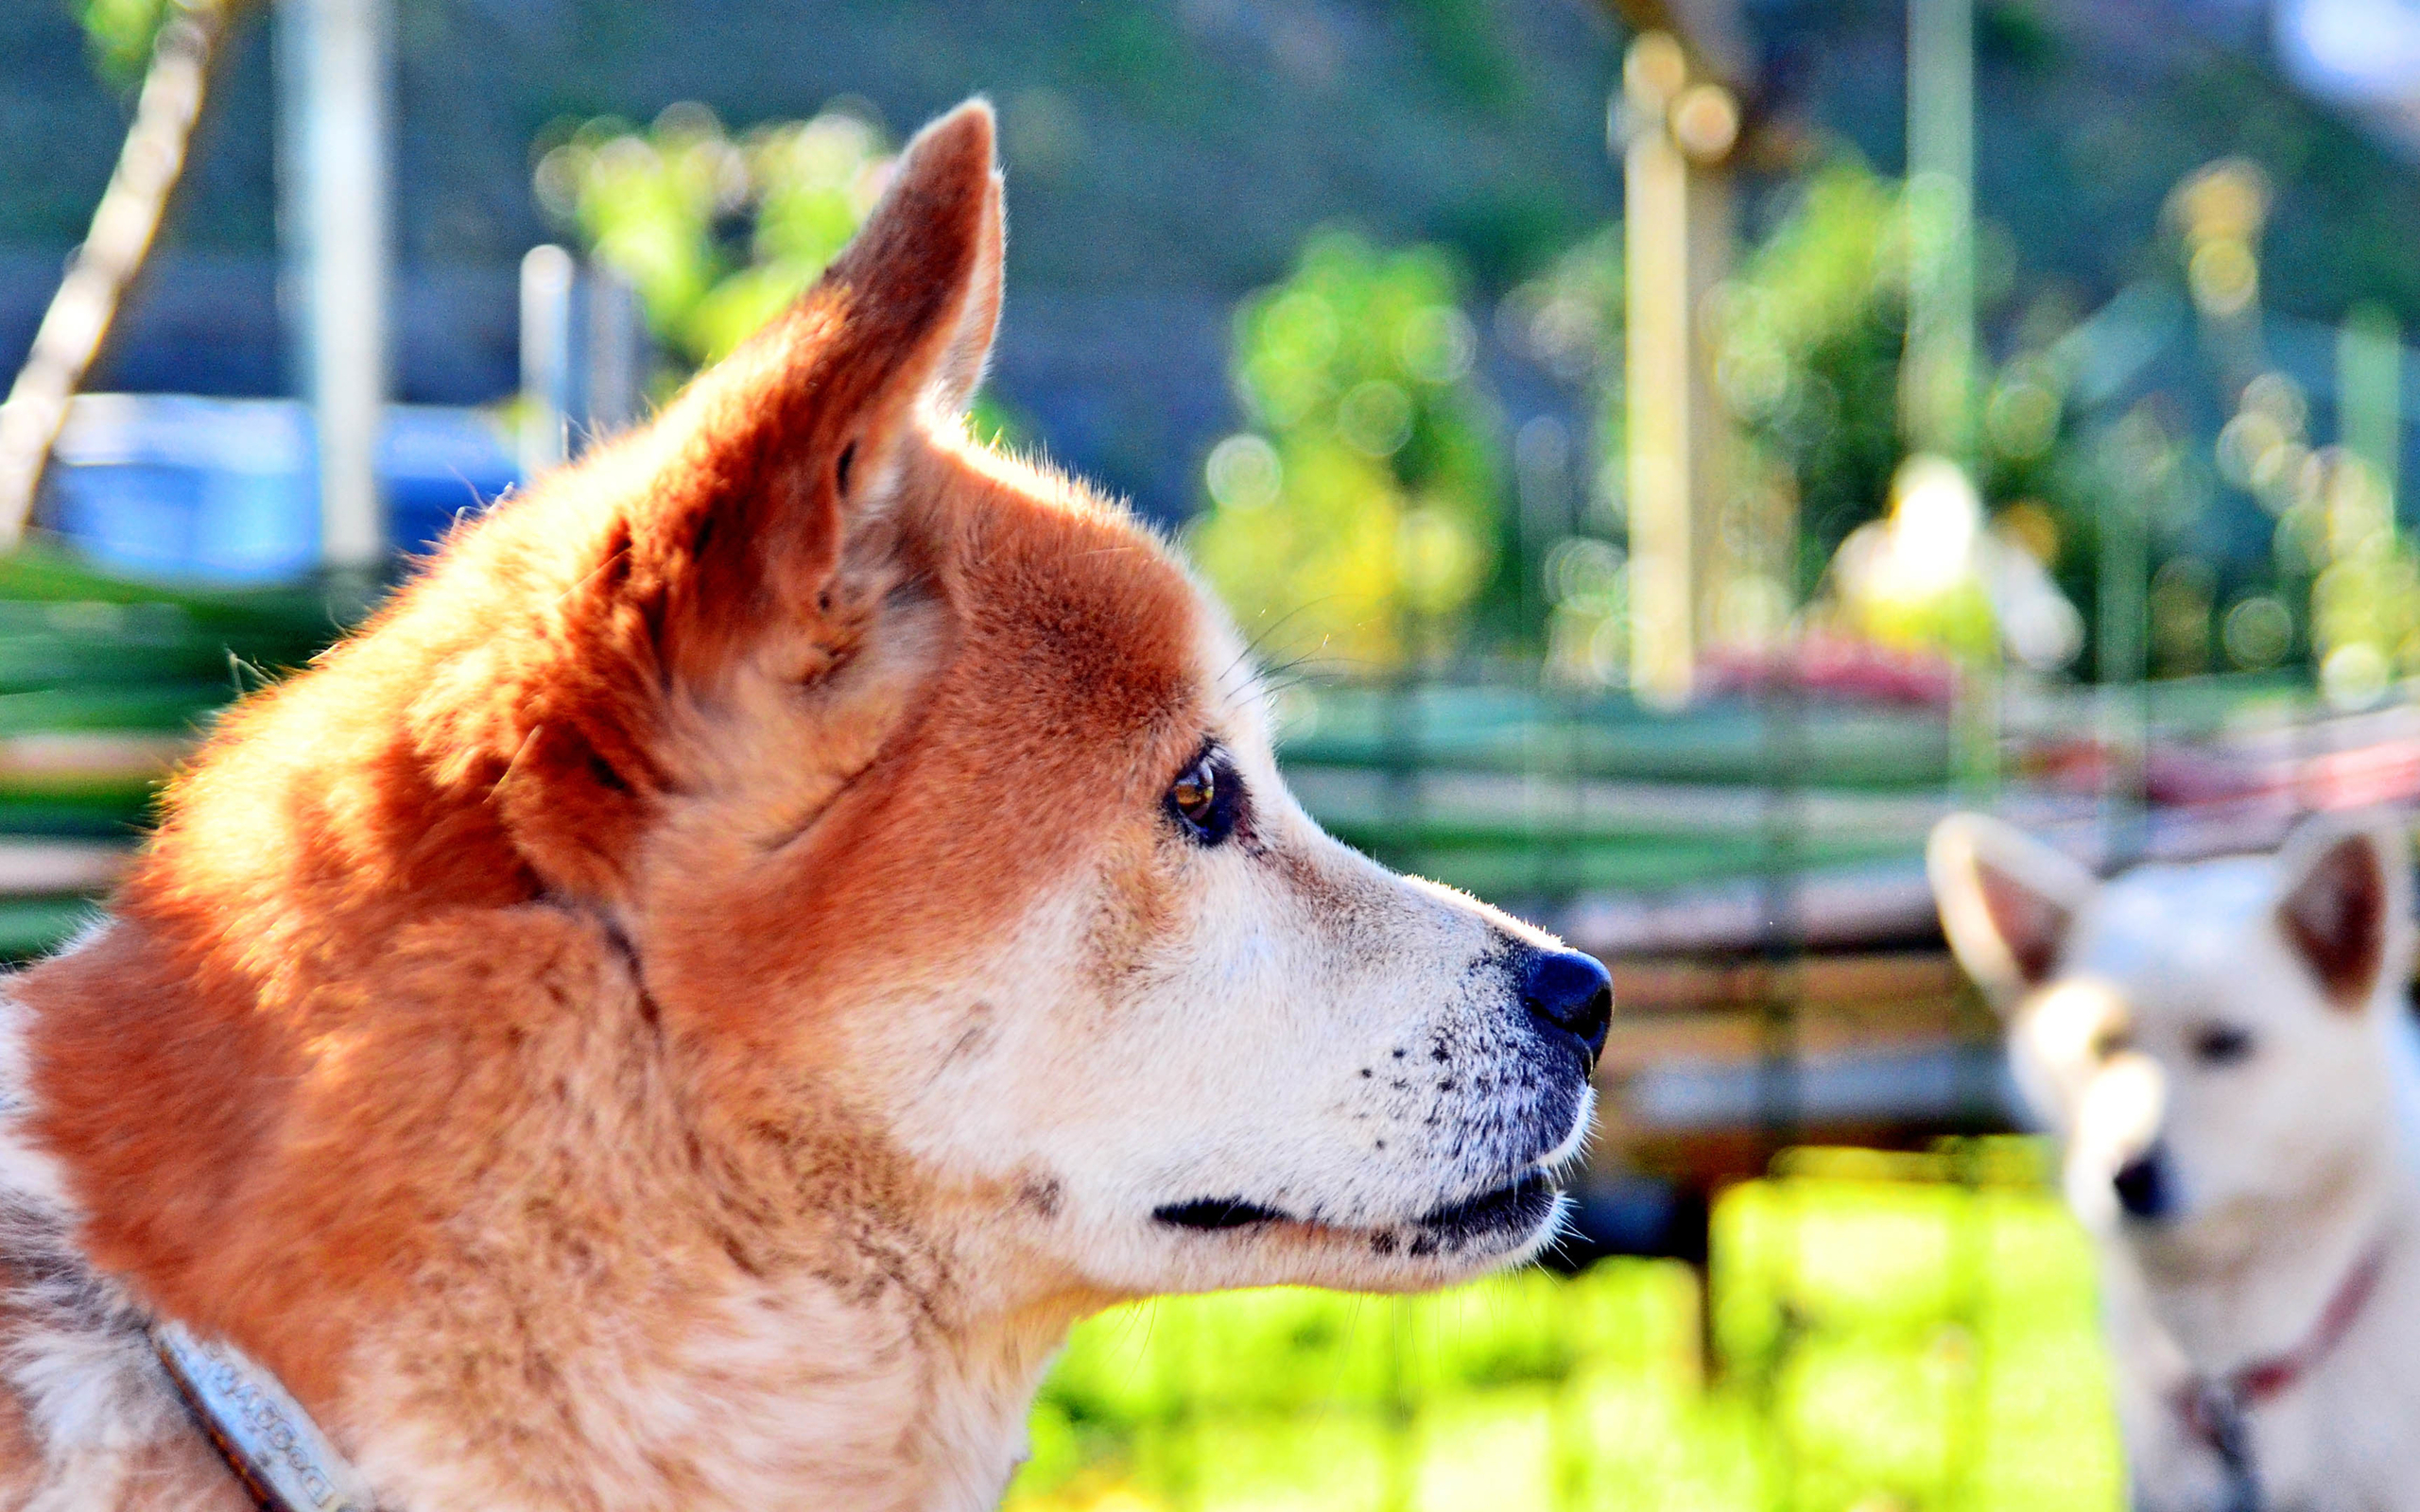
(1667, 558)
(1675, 134)
(123, 227)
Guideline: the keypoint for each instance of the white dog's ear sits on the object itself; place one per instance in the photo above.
(2006, 902)
(2344, 902)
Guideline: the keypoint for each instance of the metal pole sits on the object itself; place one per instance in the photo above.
(547, 281)
(617, 354)
(332, 63)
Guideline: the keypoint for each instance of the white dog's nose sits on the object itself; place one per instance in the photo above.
(2144, 1187)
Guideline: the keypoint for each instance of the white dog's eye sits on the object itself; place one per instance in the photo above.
(1208, 798)
(2220, 1044)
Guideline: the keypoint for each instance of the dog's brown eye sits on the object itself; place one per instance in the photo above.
(1195, 792)
(1206, 799)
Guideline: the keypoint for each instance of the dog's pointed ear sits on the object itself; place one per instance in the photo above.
(773, 461)
(926, 267)
(2007, 901)
(2344, 904)
(758, 521)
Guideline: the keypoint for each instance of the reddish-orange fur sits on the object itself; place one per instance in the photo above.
(373, 1007)
(684, 1009)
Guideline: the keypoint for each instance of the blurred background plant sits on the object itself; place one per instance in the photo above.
(716, 234)
(1359, 519)
(1567, 322)
(120, 33)
(2365, 579)
(1369, 511)
(1810, 346)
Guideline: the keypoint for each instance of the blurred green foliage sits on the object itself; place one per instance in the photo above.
(1359, 517)
(2364, 580)
(720, 234)
(1909, 1331)
(81, 650)
(1336, 530)
(119, 34)
(1920, 1329)
(716, 234)
(1809, 336)
(1568, 319)
(1334, 535)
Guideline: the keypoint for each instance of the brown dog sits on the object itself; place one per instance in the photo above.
(769, 928)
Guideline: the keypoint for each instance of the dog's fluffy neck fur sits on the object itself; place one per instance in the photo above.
(871, 1375)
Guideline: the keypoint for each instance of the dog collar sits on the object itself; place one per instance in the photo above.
(2213, 1407)
(263, 1433)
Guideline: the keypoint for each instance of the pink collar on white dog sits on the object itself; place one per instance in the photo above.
(2213, 1407)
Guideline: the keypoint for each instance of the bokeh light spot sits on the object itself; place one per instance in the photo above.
(1244, 473)
(1374, 418)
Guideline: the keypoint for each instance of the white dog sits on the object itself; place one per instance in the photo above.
(2224, 1051)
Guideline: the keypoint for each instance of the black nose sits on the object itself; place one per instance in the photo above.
(2143, 1186)
(1572, 992)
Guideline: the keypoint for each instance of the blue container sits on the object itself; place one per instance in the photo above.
(438, 464)
(226, 489)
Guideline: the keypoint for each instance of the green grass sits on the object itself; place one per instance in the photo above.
(1885, 1336)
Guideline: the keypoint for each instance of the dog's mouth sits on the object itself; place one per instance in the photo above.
(1517, 1209)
